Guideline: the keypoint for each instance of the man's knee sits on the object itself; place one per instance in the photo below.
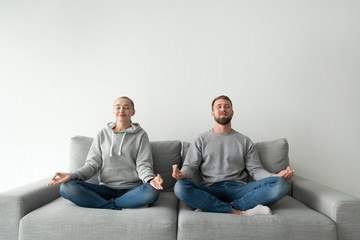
(281, 187)
(181, 187)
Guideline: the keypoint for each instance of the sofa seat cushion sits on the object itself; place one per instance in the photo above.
(62, 219)
(290, 220)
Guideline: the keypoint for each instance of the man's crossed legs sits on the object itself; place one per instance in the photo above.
(233, 197)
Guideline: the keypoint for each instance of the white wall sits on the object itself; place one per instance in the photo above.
(290, 67)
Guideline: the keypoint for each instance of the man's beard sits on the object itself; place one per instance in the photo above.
(223, 121)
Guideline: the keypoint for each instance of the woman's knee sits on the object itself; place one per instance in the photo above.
(151, 194)
(67, 188)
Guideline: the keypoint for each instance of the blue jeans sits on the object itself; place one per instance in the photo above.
(99, 196)
(223, 196)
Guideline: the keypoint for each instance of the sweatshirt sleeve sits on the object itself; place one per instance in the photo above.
(193, 159)
(144, 160)
(93, 162)
(253, 164)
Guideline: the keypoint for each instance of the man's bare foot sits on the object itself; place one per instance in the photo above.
(235, 211)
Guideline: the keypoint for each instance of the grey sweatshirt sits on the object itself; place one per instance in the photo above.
(123, 159)
(223, 157)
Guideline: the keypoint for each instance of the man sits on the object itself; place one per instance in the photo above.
(223, 157)
(121, 153)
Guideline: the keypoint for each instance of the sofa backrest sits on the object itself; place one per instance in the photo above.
(165, 154)
(274, 155)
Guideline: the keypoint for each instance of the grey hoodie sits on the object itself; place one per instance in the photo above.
(123, 159)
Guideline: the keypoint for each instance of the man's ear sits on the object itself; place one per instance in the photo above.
(212, 113)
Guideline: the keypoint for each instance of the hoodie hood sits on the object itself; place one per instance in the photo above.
(135, 128)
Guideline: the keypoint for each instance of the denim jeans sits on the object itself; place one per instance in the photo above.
(223, 196)
(99, 196)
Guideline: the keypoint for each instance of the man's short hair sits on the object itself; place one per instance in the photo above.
(220, 97)
(131, 101)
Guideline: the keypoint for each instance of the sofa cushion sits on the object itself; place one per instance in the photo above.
(165, 154)
(273, 155)
(291, 219)
(79, 148)
(62, 219)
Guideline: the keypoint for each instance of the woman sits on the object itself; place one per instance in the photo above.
(121, 154)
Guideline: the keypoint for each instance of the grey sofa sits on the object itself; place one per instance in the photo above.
(309, 211)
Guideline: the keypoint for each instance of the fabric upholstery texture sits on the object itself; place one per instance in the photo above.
(18, 202)
(274, 154)
(79, 148)
(62, 219)
(290, 220)
(342, 208)
(165, 155)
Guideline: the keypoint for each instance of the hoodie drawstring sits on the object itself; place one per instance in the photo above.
(122, 140)
(112, 144)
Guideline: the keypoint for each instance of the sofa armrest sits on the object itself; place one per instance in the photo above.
(342, 208)
(18, 202)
